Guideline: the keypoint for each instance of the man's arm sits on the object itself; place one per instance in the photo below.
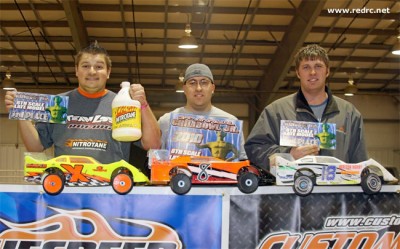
(263, 140)
(357, 149)
(30, 136)
(151, 134)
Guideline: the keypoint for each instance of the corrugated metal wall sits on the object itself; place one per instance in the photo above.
(12, 163)
(389, 158)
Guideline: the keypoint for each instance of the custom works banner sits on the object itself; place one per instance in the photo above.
(101, 221)
(323, 221)
(204, 136)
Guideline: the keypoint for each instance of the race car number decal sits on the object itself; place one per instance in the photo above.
(328, 173)
(203, 175)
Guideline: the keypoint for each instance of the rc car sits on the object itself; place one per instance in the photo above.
(308, 171)
(71, 170)
(183, 171)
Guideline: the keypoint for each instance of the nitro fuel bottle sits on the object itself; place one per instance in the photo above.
(126, 116)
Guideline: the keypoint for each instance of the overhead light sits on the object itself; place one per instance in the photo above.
(181, 77)
(396, 48)
(188, 41)
(350, 89)
(179, 87)
(179, 84)
(8, 84)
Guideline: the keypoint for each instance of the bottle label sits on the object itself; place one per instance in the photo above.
(126, 117)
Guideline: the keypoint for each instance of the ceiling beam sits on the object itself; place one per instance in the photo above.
(189, 9)
(194, 26)
(76, 24)
(222, 55)
(293, 39)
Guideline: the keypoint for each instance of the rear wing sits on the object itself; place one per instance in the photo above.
(279, 159)
(157, 156)
(35, 156)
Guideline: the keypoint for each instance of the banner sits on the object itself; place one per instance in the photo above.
(323, 221)
(40, 107)
(204, 136)
(32, 220)
(299, 133)
(206, 218)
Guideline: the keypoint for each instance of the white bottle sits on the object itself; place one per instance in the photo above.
(126, 116)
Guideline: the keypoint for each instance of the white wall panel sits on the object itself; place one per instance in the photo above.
(11, 163)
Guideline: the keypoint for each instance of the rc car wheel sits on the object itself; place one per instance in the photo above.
(52, 183)
(122, 183)
(180, 184)
(303, 184)
(371, 183)
(247, 182)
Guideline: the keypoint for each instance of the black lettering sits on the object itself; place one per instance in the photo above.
(81, 245)
(29, 244)
(134, 245)
(162, 246)
(108, 245)
(10, 244)
(53, 244)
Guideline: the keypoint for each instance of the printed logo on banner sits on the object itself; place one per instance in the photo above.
(103, 219)
(40, 107)
(62, 230)
(324, 221)
(196, 135)
(342, 232)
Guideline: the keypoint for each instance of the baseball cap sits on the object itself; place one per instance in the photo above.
(198, 70)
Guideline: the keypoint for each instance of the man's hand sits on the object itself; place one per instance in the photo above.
(137, 93)
(301, 151)
(9, 100)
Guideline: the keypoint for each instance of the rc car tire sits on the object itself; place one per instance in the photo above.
(122, 183)
(180, 184)
(247, 182)
(52, 183)
(303, 184)
(371, 183)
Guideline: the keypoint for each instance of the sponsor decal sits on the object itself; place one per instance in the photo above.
(97, 122)
(62, 230)
(100, 169)
(124, 113)
(36, 165)
(362, 222)
(86, 144)
(204, 172)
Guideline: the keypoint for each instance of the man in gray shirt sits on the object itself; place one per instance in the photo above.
(88, 128)
(198, 88)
